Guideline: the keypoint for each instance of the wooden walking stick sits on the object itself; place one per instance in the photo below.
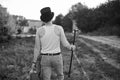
(71, 55)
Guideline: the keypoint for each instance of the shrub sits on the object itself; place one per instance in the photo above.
(32, 31)
(4, 36)
(3, 28)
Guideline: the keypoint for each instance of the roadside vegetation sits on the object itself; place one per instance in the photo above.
(16, 58)
(102, 20)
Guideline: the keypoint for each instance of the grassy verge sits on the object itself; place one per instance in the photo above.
(15, 58)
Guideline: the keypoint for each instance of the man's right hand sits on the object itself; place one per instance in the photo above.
(73, 47)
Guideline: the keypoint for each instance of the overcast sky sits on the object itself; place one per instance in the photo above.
(30, 9)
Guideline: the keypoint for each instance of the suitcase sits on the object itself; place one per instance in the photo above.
(37, 73)
(34, 76)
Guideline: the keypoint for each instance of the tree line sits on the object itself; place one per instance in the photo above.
(3, 24)
(9, 23)
(102, 20)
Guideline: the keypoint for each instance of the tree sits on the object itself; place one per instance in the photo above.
(58, 19)
(3, 24)
(23, 22)
(105, 16)
(75, 9)
(67, 24)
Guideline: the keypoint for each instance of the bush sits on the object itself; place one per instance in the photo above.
(106, 31)
(4, 36)
(19, 31)
(32, 31)
(3, 28)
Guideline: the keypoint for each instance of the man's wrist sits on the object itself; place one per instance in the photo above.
(34, 62)
(71, 48)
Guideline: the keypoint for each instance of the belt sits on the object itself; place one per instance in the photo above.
(49, 54)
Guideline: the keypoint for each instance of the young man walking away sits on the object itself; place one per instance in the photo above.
(47, 44)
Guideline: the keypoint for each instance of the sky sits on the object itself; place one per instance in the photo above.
(30, 9)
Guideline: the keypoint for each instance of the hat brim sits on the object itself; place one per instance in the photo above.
(47, 18)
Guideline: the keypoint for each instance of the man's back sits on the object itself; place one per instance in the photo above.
(50, 40)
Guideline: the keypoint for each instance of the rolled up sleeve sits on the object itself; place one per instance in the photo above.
(64, 40)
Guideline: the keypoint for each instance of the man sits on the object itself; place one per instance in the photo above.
(47, 44)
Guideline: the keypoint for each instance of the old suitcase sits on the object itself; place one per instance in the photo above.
(37, 73)
(34, 76)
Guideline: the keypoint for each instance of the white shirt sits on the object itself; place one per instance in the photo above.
(49, 38)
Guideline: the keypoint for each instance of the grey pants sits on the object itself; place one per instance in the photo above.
(48, 63)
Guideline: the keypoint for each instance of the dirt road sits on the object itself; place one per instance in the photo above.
(99, 58)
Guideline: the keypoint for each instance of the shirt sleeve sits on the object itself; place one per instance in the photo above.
(37, 46)
(64, 40)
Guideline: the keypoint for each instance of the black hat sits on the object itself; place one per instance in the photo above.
(46, 14)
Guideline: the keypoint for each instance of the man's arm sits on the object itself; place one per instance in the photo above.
(64, 40)
(37, 46)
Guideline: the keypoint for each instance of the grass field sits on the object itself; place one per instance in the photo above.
(16, 58)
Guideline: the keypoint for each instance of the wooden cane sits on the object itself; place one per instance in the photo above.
(71, 55)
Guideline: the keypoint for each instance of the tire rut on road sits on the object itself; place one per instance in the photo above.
(115, 69)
